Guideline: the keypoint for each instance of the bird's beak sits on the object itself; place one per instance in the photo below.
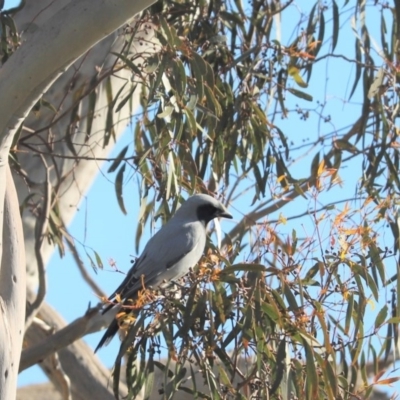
(224, 214)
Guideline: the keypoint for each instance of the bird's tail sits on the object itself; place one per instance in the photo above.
(109, 334)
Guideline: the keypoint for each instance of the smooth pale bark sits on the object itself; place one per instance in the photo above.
(12, 292)
(51, 48)
(76, 176)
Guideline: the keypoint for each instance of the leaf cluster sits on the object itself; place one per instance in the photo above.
(270, 328)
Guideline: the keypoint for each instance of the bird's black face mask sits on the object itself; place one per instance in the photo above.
(208, 212)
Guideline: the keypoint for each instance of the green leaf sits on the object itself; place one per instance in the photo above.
(311, 375)
(358, 67)
(321, 32)
(358, 334)
(129, 63)
(232, 17)
(312, 272)
(198, 63)
(244, 55)
(119, 184)
(109, 128)
(384, 44)
(48, 105)
(168, 110)
(171, 174)
(283, 139)
(393, 320)
(126, 98)
(118, 159)
(192, 121)
(98, 259)
(312, 20)
(315, 166)
(71, 130)
(91, 112)
(165, 29)
(376, 84)
(388, 342)
(149, 377)
(212, 102)
(349, 313)
(244, 267)
(300, 94)
(331, 379)
(295, 74)
(381, 317)
(209, 77)
(280, 371)
(271, 311)
(280, 87)
(92, 263)
(343, 144)
(375, 255)
(293, 306)
(223, 377)
(125, 344)
(179, 78)
(335, 25)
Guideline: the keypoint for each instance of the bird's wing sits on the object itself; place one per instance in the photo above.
(161, 254)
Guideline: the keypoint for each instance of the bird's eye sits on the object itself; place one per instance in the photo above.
(212, 210)
(206, 213)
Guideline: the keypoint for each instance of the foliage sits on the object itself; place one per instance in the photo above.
(298, 320)
(217, 91)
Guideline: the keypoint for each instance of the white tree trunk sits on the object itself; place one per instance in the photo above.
(12, 292)
(50, 50)
(76, 175)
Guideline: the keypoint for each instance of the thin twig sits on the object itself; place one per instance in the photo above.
(78, 157)
(309, 212)
(64, 383)
(86, 277)
(41, 228)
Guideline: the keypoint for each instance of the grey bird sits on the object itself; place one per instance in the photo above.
(169, 254)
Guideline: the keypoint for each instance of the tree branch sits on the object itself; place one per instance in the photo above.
(250, 219)
(73, 30)
(91, 321)
(89, 378)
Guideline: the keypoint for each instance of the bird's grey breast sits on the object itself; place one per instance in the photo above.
(172, 252)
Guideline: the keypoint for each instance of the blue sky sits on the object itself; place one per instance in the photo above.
(10, 3)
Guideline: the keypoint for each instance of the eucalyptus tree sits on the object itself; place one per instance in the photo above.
(239, 100)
